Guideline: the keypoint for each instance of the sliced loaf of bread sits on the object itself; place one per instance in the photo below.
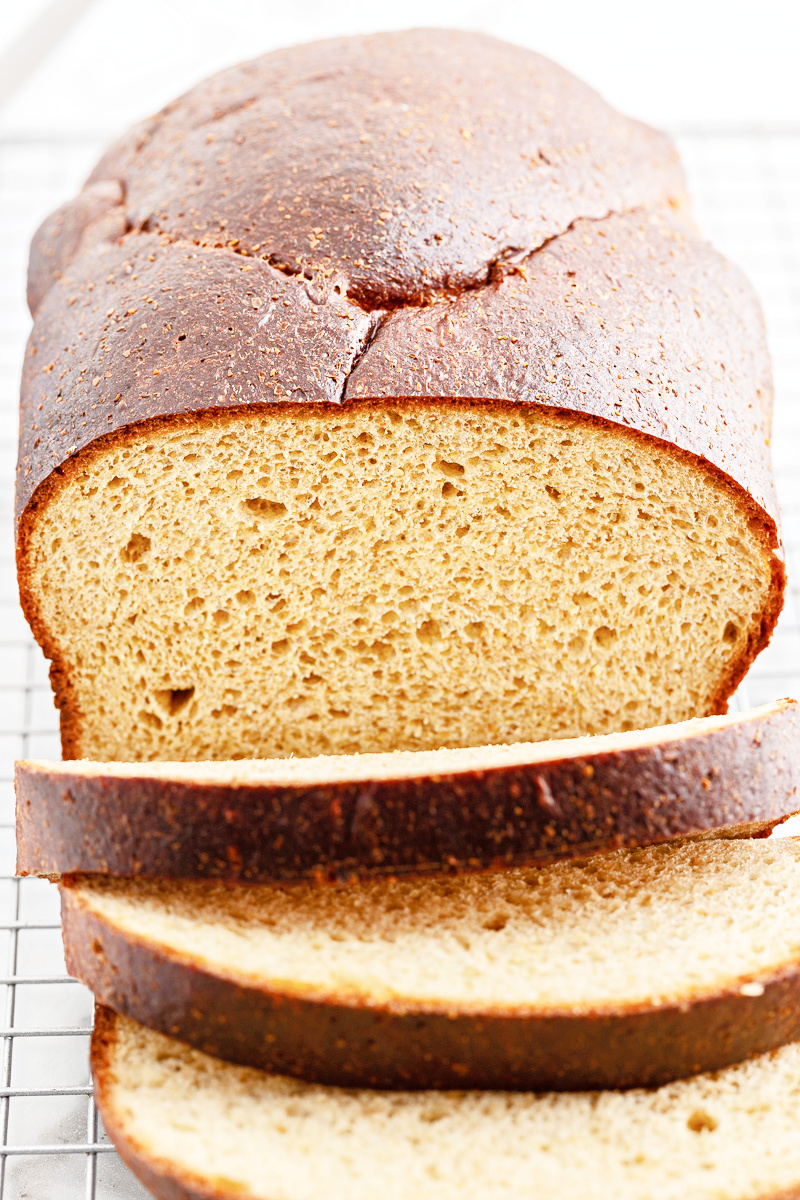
(410, 812)
(622, 970)
(434, 423)
(194, 1128)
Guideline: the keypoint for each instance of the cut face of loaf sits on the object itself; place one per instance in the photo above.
(623, 970)
(425, 812)
(479, 454)
(191, 1126)
(370, 579)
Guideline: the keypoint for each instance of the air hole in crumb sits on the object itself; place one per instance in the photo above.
(270, 510)
(281, 646)
(700, 1122)
(136, 548)
(496, 923)
(605, 636)
(246, 598)
(450, 468)
(552, 492)
(97, 947)
(221, 617)
(429, 631)
(173, 700)
(730, 633)
(449, 490)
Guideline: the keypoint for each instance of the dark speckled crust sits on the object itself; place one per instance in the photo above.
(408, 160)
(746, 774)
(354, 1044)
(97, 213)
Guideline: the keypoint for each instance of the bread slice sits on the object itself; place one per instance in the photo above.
(622, 970)
(462, 438)
(194, 1128)
(410, 812)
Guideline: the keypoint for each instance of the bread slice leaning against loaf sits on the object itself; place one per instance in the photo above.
(410, 812)
(194, 1128)
(622, 970)
(434, 423)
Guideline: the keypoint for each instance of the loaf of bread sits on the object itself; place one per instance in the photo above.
(192, 1128)
(381, 395)
(623, 970)
(417, 812)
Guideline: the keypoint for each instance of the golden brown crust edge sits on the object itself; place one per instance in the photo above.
(757, 639)
(357, 1044)
(746, 774)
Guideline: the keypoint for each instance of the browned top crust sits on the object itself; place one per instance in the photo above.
(409, 161)
(743, 776)
(58, 239)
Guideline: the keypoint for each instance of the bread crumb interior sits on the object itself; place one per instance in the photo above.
(651, 926)
(389, 577)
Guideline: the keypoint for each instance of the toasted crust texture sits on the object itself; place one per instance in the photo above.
(442, 151)
(720, 774)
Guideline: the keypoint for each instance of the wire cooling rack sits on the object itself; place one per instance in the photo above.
(746, 186)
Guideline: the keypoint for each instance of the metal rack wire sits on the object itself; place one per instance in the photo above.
(746, 185)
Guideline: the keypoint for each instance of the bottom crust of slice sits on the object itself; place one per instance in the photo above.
(194, 1128)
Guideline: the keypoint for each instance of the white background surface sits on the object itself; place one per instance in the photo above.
(672, 63)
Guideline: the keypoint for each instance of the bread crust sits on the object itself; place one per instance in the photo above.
(441, 151)
(97, 213)
(354, 1043)
(745, 774)
(604, 321)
